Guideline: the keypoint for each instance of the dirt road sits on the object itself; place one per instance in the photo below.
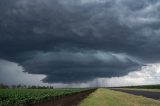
(148, 94)
(71, 100)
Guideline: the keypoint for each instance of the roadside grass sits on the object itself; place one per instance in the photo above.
(105, 97)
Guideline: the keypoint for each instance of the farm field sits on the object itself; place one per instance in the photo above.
(105, 97)
(76, 97)
(143, 87)
(138, 89)
(20, 97)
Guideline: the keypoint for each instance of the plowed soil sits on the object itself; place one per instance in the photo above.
(71, 100)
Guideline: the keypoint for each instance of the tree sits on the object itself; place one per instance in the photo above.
(2, 86)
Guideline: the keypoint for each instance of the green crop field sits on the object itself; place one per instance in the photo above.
(20, 97)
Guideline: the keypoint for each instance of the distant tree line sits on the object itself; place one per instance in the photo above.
(142, 86)
(3, 86)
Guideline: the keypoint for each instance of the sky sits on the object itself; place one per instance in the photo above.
(80, 43)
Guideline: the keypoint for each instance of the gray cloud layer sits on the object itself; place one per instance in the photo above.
(78, 66)
(76, 41)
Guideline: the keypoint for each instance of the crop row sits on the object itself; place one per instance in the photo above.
(20, 97)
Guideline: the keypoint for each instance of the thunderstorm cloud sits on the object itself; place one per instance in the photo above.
(77, 41)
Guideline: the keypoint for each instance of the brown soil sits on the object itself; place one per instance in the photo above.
(71, 100)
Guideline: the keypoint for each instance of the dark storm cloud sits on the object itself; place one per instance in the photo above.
(64, 39)
(80, 66)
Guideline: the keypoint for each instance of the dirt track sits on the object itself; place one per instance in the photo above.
(148, 94)
(71, 100)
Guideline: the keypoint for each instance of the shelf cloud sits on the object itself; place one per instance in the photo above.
(77, 41)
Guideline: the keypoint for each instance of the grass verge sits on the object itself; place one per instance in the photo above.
(105, 97)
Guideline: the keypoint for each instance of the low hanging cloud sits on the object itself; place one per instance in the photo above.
(80, 40)
(11, 73)
(69, 67)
